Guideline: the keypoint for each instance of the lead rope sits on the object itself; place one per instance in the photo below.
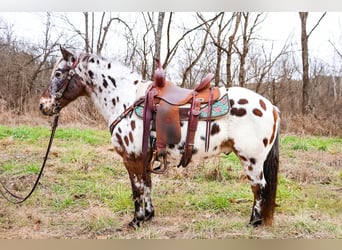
(22, 199)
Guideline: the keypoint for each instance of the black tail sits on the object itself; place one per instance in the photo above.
(271, 167)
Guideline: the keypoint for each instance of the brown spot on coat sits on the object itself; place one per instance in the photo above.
(228, 146)
(105, 83)
(252, 160)
(250, 168)
(130, 135)
(231, 102)
(262, 104)
(242, 158)
(215, 129)
(243, 101)
(136, 82)
(133, 125)
(257, 112)
(261, 175)
(112, 80)
(126, 140)
(238, 112)
(118, 137)
(265, 141)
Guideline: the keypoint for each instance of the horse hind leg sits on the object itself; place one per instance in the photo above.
(264, 180)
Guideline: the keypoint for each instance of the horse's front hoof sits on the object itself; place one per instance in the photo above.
(149, 215)
(255, 223)
(134, 224)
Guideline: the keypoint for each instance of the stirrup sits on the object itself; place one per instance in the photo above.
(162, 166)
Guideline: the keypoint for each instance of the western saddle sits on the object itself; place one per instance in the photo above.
(161, 114)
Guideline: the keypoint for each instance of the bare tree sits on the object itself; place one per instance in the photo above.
(306, 105)
(94, 36)
(336, 49)
(264, 63)
(195, 60)
(158, 36)
(218, 40)
(172, 49)
(230, 49)
(247, 36)
(28, 67)
(151, 45)
(305, 63)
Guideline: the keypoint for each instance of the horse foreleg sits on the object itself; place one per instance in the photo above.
(141, 189)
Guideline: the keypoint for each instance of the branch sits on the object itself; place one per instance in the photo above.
(316, 25)
(337, 51)
(170, 53)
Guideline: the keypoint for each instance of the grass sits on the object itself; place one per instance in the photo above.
(312, 143)
(85, 191)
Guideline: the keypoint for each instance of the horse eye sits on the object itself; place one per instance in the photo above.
(58, 74)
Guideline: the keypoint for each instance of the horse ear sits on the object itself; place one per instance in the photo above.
(66, 54)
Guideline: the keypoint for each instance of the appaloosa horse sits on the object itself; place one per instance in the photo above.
(250, 129)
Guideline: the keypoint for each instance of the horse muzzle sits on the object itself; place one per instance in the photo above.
(48, 106)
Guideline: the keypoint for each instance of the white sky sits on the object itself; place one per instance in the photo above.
(277, 27)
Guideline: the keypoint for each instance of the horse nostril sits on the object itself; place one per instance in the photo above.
(41, 107)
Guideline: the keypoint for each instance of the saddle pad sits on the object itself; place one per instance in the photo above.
(219, 109)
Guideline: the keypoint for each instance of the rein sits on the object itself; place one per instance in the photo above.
(22, 199)
(125, 113)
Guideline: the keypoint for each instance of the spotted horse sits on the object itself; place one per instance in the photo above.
(250, 129)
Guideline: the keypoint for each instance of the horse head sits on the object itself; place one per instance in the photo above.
(65, 85)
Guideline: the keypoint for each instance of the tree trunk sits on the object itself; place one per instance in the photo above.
(243, 54)
(158, 37)
(230, 50)
(86, 38)
(305, 64)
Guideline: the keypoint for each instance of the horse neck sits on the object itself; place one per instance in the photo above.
(112, 87)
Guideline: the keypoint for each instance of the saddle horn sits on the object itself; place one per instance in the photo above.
(159, 75)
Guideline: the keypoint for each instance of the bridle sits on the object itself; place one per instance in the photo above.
(65, 83)
(16, 199)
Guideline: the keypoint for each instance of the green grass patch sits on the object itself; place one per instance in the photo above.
(310, 143)
(89, 136)
(118, 198)
(30, 134)
(85, 190)
(33, 134)
(13, 167)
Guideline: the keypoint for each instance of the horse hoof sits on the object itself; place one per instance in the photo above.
(255, 223)
(134, 224)
(149, 215)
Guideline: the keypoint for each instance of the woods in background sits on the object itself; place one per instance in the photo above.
(190, 45)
